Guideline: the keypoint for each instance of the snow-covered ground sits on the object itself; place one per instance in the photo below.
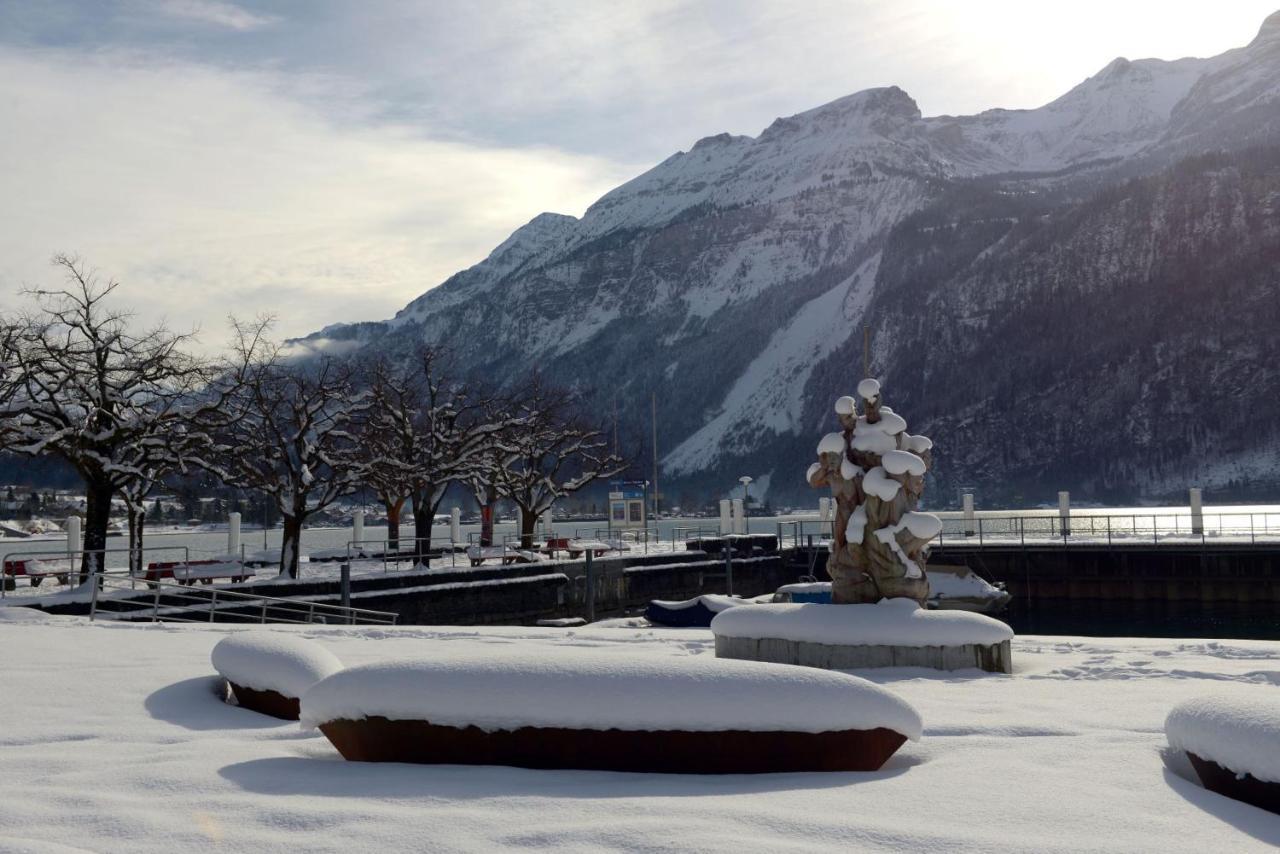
(113, 740)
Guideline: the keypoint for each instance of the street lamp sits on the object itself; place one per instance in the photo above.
(745, 481)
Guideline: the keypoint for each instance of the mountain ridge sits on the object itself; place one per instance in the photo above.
(735, 277)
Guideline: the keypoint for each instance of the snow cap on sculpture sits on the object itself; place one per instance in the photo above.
(832, 443)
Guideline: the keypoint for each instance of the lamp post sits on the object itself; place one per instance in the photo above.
(745, 481)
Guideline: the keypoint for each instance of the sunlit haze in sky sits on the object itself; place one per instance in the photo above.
(329, 161)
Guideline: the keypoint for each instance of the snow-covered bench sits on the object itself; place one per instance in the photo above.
(37, 571)
(577, 547)
(479, 554)
(204, 571)
(595, 710)
(1233, 742)
(270, 671)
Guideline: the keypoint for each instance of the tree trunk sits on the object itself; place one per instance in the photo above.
(97, 514)
(528, 524)
(424, 513)
(393, 507)
(137, 516)
(291, 545)
(488, 504)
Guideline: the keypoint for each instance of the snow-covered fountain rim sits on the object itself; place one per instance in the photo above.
(273, 661)
(1237, 731)
(595, 690)
(890, 622)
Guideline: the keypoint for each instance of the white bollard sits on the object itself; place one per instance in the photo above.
(455, 525)
(233, 535)
(547, 527)
(73, 534)
(1197, 512)
(357, 529)
(970, 526)
(726, 517)
(740, 517)
(824, 509)
(1064, 512)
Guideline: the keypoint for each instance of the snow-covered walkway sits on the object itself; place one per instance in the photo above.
(111, 739)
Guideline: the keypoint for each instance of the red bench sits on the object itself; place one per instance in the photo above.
(37, 570)
(189, 572)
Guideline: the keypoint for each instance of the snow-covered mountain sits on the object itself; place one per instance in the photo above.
(734, 280)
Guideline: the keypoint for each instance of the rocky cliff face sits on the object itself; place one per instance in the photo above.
(1077, 297)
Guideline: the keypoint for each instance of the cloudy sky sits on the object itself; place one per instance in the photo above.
(328, 161)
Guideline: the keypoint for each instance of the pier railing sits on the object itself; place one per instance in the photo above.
(1114, 529)
(111, 597)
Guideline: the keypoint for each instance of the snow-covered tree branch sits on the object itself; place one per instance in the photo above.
(423, 431)
(553, 451)
(285, 430)
(76, 382)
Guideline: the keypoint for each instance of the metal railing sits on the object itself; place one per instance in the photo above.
(1115, 529)
(167, 602)
(51, 564)
(803, 532)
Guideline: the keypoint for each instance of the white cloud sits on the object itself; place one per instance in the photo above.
(208, 192)
(212, 12)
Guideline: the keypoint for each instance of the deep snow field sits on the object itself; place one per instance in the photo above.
(112, 739)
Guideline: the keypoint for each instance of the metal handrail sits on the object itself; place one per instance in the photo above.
(224, 603)
(1085, 529)
(70, 555)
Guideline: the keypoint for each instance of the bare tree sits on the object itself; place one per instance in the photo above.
(285, 430)
(76, 382)
(423, 431)
(388, 440)
(553, 453)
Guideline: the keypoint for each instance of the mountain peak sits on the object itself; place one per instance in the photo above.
(1270, 29)
(1115, 67)
(867, 107)
(718, 140)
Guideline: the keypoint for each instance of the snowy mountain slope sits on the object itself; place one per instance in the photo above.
(734, 279)
(1237, 101)
(1119, 111)
(768, 396)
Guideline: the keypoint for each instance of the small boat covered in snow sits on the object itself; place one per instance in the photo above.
(691, 613)
(951, 588)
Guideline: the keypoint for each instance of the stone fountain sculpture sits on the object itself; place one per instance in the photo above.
(875, 469)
